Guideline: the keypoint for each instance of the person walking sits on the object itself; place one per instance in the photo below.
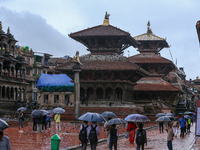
(4, 142)
(182, 124)
(57, 120)
(113, 137)
(189, 123)
(107, 129)
(175, 127)
(83, 137)
(48, 120)
(21, 119)
(161, 126)
(93, 133)
(131, 129)
(39, 124)
(44, 122)
(34, 124)
(141, 137)
(170, 136)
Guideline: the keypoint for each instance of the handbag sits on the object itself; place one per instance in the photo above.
(126, 135)
(22, 118)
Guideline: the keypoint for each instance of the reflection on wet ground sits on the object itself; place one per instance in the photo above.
(30, 140)
(157, 141)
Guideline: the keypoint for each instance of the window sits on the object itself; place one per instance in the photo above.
(56, 98)
(46, 97)
(66, 99)
(27, 72)
(28, 60)
(39, 72)
(35, 71)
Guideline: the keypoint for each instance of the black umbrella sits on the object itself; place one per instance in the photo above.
(109, 114)
(92, 117)
(115, 121)
(163, 118)
(3, 125)
(22, 109)
(160, 115)
(37, 114)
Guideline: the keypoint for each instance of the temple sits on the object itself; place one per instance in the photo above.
(106, 76)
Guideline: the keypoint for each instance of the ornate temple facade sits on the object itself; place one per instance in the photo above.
(106, 75)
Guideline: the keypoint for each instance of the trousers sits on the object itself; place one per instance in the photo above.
(84, 145)
(93, 145)
(169, 145)
(58, 126)
(111, 145)
(140, 146)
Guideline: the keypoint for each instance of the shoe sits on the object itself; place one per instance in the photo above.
(21, 131)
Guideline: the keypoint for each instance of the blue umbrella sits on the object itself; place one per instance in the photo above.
(188, 113)
(109, 114)
(187, 116)
(137, 118)
(169, 114)
(160, 114)
(115, 121)
(58, 110)
(37, 114)
(22, 109)
(92, 117)
(163, 118)
(3, 125)
(45, 112)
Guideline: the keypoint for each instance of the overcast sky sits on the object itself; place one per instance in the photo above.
(44, 25)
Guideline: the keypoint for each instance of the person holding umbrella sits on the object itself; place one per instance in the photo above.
(183, 125)
(170, 136)
(93, 133)
(48, 120)
(83, 135)
(131, 129)
(141, 137)
(57, 120)
(4, 140)
(113, 137)
(21, 119)
(107, 129)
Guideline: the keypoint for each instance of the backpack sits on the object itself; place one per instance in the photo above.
(83, 134)
(113, 136)
(175, 124)
(140, 138)
(93, 135)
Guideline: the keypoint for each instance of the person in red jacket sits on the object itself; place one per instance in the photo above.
(131, 128)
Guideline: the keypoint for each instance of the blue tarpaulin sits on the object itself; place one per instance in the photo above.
(47, 80)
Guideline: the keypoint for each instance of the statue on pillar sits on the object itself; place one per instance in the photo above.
(76, 59)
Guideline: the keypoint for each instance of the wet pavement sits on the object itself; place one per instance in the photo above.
(30, 140)
(157, 141)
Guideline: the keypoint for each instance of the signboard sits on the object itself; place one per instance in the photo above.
(198, 121)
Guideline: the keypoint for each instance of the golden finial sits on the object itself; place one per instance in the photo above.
(148, 28)
(0, 25)
(76, 58)
(106, 20)
(8, 30)
(197, 77)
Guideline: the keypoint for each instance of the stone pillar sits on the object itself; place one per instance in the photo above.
(76, 70)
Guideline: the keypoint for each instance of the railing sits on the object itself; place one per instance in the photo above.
(12, 79)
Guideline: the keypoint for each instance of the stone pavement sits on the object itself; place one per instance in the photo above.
(157, 140)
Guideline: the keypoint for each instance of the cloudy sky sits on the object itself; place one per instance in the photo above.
(44, 25)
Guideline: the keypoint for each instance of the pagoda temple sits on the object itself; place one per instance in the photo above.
(154, 87)
(106, 75)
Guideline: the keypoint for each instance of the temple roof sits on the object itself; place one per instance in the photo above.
(155, 84)
(103, 62)
(149, 58)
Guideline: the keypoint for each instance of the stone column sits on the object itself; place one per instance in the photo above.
(76, 70)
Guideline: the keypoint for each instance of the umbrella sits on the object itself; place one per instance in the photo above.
(188, 113)
(45, 112)
(187, 116)
(3, 125)
(169, 114)
(92, 117)
(37, 114)
(109, 114)
(58, 110)
(115, 121)
(137, 118)
(163, 118)
(22, 109)
(160, 114)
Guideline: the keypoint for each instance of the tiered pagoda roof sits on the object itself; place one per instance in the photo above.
(155, 84)
(105, 38)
